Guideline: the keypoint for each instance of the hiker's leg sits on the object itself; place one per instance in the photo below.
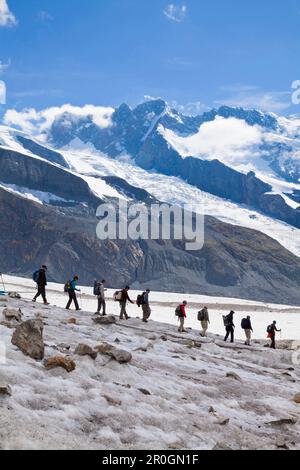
(104, 307)
(227, 333)
(99, 305)
(273, 346)
(75, 301)
(123, 310)
(37, 294)
(232, 335)
(181, 327)
(69, 302)
(148, 312)
(43, 293)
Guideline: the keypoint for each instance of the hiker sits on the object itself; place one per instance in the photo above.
(229, 325)
(100, 292)
(123, 302)
(145, 305)
(181, 314)
(271, 330)
(203, 317)
(41, 282)
(247, 327)
(72, 289)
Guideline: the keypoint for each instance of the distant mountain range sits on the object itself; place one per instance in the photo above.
(242, 166)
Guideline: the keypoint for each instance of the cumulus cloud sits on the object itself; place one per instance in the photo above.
(176, 13)
(6, 16)
(230, 140)
(38, 122)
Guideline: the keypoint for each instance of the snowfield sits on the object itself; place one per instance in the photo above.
(179, 391)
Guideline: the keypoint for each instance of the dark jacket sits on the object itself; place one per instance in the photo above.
(125, 296)
(42, 280)
(246, 324)
(230, 320)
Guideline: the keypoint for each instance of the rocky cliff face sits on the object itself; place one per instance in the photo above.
(234, 262)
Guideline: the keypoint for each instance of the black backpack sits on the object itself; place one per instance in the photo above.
(270, 329)
(201, 315)
(140, 299)
(244, 324)
(226, 320)
(67, 286)
(178, 311)
(97, 286)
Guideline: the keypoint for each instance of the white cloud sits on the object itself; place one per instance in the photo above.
(193, 108)
(253, 97)
(44, 16)
(176, 12)
(37, 122)
(6, 16)
(229, 140)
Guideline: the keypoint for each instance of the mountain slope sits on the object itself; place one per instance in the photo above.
(32, 234)
(245, 156)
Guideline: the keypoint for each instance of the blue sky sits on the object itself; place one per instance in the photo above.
(194, 53)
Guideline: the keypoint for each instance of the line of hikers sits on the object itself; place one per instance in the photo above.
(122, 296)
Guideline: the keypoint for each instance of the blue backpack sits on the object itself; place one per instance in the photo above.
(36, 275)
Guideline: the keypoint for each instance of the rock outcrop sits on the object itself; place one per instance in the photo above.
(28, 337)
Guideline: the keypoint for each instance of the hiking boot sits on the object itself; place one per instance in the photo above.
(46, 303)
(33, 300)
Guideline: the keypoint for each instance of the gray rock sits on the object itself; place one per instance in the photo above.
(107, 320)
(11, 314)
(5, 389)
(233, 375)
(28, 337)
(85, 350)
(119, 355)
(144, 391)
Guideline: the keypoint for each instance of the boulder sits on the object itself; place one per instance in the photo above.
(60, 361)
(297, 398)
(119, 355)
(5, 389)
(14, 295)
(72, 321)
(112, 401)
(107, 320)
(85, 350)
(233, 375)
(11, 314)
(144, 391)
(28, 337)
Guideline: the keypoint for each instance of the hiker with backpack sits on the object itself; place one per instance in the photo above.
(99, 291)
(247, 327)
(124, 298)
(39, 276)
(180, 312)
(143, 301)
(203, 317)
(271, 330)
(229, 325)
(71, 288)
